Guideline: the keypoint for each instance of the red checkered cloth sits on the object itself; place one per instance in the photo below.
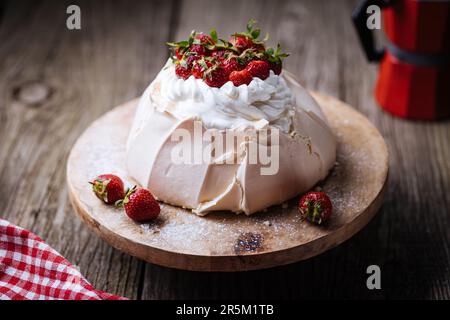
(31, 270)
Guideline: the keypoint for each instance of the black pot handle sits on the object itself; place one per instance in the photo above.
(359, 17)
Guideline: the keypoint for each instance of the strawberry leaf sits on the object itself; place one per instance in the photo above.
(192, 37)
(277, 52)
(213, 35)
(183, 63)
(202, 63)
(255, 33)
(250, 25)
(180, 44)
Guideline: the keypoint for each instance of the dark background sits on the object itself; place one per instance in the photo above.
(54, 82)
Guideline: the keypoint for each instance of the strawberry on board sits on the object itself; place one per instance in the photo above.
(315, 207)
(140, 205)
(108, 187)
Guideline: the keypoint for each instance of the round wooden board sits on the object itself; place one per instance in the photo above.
(225, 241)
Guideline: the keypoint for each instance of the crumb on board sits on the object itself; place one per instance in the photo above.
(248, 242)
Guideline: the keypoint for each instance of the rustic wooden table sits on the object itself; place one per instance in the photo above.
(54, 82)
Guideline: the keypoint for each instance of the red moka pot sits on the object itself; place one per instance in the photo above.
(414, 76)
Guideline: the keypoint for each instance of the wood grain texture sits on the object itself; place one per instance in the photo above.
(114, 56)
(79, 68)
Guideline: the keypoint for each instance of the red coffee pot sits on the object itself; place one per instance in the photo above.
(414, 76)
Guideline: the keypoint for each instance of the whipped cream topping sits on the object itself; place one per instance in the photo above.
(261, 103)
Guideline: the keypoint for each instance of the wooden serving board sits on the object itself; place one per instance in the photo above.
(225, 241)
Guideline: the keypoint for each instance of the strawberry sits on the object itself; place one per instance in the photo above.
(178, 53)
(248, 39)
(227, 60)
(230, 65)
(140, 205)
(218, 54)
(108, 188)
(197, 71)
(215, 72)
(212, 73)
(259, 69)
(242, 43)
(275, 59)
(240, 77)
(316, 207)
(199, 46)
(215, 77)
(276, 67)
(183, 72)
(189, 61)
(199, 50)
(204, 39)
(200, 67)
(183, 67)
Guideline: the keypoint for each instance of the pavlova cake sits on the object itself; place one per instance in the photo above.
(221, 127)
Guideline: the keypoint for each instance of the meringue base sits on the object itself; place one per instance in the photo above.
(228, 242)
(306, 154)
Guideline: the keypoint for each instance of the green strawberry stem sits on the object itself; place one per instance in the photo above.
(313, 212)
(99, 188)
(122, 202)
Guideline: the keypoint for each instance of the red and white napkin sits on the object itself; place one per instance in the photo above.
(32, 270)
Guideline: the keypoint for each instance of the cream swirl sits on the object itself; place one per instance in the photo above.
(261, 103)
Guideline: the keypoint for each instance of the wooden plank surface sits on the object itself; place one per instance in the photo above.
(54, 82)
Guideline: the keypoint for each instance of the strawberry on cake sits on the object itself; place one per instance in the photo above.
(281, 143)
